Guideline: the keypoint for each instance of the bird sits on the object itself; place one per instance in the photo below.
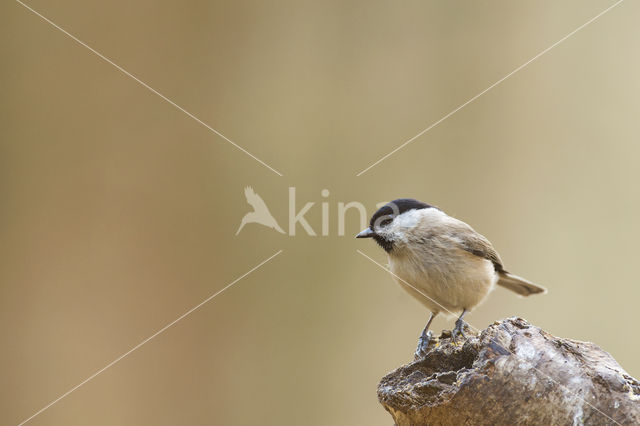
(260, 213)
(440, 260)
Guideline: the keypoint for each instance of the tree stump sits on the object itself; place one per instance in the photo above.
(511, 373)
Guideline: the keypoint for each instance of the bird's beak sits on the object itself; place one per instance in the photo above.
(366, 233)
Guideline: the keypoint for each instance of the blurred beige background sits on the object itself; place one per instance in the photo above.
(118, 211)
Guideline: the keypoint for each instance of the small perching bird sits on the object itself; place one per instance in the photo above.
(440, 260)
(260, 213)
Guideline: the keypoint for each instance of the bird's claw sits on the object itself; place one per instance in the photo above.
(423, 345)
(458, 330)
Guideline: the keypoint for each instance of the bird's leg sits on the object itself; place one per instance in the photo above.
(425, 338)
(459, 328)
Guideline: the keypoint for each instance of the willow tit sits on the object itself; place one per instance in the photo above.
(440, 260)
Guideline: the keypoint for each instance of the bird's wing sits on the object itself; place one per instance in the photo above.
(254, 200)
(478, 245)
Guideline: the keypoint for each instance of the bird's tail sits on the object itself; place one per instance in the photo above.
(519, 285)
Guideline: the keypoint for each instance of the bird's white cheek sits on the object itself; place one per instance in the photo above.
(397, 234)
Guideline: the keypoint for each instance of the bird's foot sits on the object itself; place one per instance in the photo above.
(458, 330)
(423, 345)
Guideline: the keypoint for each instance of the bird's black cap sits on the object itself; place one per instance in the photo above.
(397, 207)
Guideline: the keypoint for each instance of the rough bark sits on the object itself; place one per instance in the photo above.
(511, 373)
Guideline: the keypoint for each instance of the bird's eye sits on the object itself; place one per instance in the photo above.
(385, 222)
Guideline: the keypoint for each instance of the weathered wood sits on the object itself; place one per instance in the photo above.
(511, 373)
